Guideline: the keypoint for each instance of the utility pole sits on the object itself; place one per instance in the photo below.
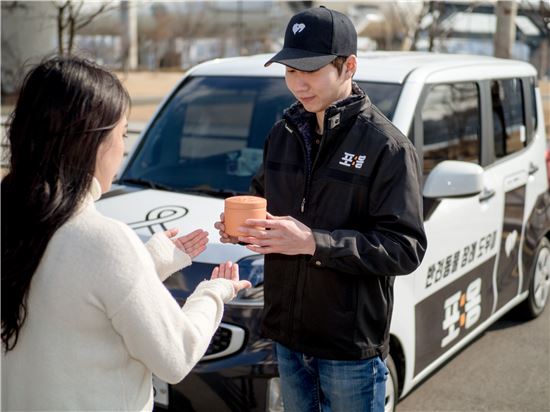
(505, 34)
(240, 28)
(129, 18)
(545, 45)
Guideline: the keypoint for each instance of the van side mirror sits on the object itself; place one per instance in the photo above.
(452, 178)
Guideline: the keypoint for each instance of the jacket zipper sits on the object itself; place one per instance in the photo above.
(313, 163)
(302, 209)
(304, 196)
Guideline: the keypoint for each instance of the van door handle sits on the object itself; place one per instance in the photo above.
(486, 194)
(533, 168)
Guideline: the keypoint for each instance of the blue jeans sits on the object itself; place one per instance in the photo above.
(310, 384)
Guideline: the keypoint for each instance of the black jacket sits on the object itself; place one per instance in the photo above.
(361, 198)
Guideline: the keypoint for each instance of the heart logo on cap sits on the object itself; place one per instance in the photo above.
(298, 27)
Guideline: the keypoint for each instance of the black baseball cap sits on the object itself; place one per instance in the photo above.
(315, 37)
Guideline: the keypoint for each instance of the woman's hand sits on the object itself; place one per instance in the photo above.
(193, 244)
(230, 271)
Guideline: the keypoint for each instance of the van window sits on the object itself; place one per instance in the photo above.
(532, 87)
(383, 95)
(508, 116)
(211, 133)
(451, 124)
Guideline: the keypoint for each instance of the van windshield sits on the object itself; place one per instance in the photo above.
(210, 135)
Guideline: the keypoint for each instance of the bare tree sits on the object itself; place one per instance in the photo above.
(405, 21)
(159, 35)
(187, 24)
(430, 20)
(297, 6)
(13, 5)
(71, 18)
(193, 24)
(540, 17)
(10, 72)
(409, 42)
(402, 23)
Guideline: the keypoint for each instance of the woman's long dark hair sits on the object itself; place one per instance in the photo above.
(66, 108)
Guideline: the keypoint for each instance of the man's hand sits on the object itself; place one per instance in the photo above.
(282, 234)
(224, 237)
(193, 244)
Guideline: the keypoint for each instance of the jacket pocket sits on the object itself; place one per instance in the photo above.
(328, 306)
(339, 204)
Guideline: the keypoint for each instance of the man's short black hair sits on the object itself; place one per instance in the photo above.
(339, 63)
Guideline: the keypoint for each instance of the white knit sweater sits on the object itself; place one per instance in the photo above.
(100, 320)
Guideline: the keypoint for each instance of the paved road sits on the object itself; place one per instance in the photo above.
(506, 369)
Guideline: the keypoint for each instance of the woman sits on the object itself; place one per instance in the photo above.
(85, 316)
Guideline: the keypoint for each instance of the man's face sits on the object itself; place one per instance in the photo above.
(319, 89)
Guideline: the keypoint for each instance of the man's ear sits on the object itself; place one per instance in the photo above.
(350, 66)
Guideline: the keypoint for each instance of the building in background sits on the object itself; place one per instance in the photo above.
(470, 27)
(180, 34)
(169, 34)
(28, 33)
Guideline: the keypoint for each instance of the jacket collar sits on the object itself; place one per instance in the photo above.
(336, 115)
(339, 113)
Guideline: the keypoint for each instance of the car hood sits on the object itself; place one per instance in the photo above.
(149, 211)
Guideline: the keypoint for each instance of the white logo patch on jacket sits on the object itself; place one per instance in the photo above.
(352, 160)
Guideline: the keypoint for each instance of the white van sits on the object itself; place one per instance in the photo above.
(477, 124)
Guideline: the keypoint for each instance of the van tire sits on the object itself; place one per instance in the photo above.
(539, 287)
(392, 386)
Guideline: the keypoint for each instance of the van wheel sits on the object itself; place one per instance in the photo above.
(392, 386)
(539, 288)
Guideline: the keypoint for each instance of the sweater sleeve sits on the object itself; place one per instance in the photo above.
(168, 339)
(166, 256)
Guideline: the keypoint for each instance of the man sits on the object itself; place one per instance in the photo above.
(342, 188)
